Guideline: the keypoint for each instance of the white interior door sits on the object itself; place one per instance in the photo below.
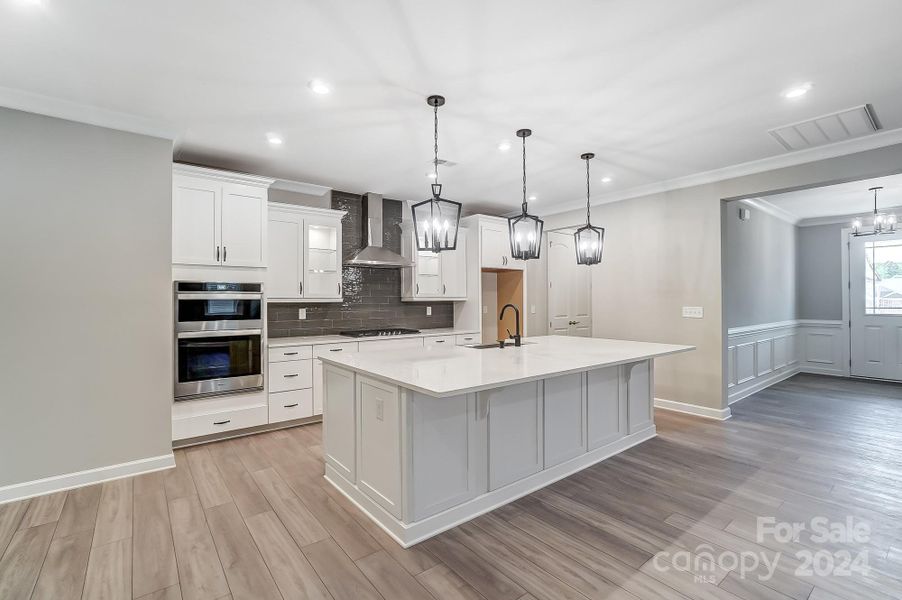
(569, 288)
(875, 306)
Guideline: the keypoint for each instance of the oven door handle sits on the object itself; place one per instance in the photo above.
(220, 296)
(218, 333)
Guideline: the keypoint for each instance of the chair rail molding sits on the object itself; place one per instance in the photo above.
(761, 355)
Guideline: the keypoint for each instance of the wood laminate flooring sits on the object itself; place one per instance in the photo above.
(252, 518)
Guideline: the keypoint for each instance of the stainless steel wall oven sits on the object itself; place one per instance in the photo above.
(218, 338)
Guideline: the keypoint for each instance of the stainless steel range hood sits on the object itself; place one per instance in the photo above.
(374, 254)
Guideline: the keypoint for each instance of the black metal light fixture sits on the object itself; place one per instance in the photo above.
(883, 223)
(588, 240)
(525, 229)
(436, 220)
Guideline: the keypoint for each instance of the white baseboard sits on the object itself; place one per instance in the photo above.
(58, 483)
(721, 414)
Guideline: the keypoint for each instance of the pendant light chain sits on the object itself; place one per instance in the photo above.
(435, 147)
(524, 173)
(588, 208)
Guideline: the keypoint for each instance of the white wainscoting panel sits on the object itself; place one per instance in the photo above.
(759, 356)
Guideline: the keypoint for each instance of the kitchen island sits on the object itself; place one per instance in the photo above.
(422, 440)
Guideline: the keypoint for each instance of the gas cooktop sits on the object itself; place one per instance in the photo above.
(359, 333)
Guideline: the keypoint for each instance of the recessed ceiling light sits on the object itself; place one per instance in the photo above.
(318, 86)
(532, 198)
(504, 146)
(431, 175)
(606, 179)
(797, 91)
(274, 139)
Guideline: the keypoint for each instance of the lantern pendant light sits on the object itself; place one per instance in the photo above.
(525, 229)
(436, 220)
(588, 240)
(883, 223)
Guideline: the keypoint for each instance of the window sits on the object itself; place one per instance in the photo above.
(883, 277)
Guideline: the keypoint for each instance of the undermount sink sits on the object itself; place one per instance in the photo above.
(495, 345)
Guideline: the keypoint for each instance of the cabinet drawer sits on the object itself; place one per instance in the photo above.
(327, 349)
(400, 344)
(439, 340)
(290, 375)
(239, 418)
(466, 339)
(290, 353)
(285, 406)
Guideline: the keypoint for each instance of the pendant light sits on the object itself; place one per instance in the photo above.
(588, 240)
(436, 220)
(525, 229)
(883, 223)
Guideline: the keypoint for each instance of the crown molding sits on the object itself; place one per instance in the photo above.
(220, 175)
(771, 209)
(82, 113)
(298, 187)
(880, 139)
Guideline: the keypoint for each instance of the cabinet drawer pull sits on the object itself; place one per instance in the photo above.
(290, 405)
(292, 375)
(439, 341)
(222, 422)
(444, 289)
(290, 353)
(300, 288)
(335, 349)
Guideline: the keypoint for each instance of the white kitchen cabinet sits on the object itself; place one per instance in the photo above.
(494, 247)
(606, 407)
(218, 218)
(379, 445)
(318, 351)
(435, 276)
(515, 422)
(304, 254)
(565, 418)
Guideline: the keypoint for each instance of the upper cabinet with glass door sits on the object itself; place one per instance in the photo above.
(304, 254)
(218, 217)
(434, 276)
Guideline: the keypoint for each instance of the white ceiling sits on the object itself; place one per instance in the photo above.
(839, 200)
(657, 89)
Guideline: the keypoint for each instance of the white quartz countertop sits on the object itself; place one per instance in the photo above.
(312, 340)
(449, 371)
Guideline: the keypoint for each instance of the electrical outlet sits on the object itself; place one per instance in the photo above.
(302, 313)
(380, 410)
(428, 311)
(693, 312)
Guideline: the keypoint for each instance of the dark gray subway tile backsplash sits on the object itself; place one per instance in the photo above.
(372, 297)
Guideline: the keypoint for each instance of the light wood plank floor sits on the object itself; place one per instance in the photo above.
(253, 518)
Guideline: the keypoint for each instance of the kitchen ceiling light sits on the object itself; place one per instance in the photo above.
(606, 180)
(274, 139)
(588, 240)
(883, 223)
(525, 229)
(504, 146)
(318, 86)
(797, 91)
(533, 198)
(436, 220)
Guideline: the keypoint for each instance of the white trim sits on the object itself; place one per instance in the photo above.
(771, 209)
(82, 113)
(311, 189)
(220, 175)
(308, 210)
(409, 534)
(766, 382)
(721, 414)
(747, 329)
(840, 219)
(58, 483)
(880, 139)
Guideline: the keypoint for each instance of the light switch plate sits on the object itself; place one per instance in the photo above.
(428, 311)
(485, 310)
(693, 312)
(302, 313)
(532, 309)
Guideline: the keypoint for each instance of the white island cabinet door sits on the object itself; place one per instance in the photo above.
(606, 407)
(640, 394)
(515, 432)
(379, 443)
(195, 221)
(243, 224)
(340, 421)
(565, 418)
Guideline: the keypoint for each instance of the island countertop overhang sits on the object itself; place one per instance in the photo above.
(446, 372)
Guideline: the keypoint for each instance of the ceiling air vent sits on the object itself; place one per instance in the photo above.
(835, 127)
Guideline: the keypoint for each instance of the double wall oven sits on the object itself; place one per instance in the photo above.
(219, 338)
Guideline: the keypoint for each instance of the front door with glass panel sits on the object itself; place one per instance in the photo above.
(875, 305)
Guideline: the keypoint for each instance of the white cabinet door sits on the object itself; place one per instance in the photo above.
(195, 221)
(565, 418)
(340, 421)
(640, 395)
(495, 247)
(379, 442)
(322, 258)
(243, 221)
(454, 269)
(286, 256)
(429, 275)
(317, 386)
(606, 407)
(514, 432)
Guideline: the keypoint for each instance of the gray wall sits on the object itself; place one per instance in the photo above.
(286, 197)
(760, 268)
(820, 271)
(86, 316)
(663, 251)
